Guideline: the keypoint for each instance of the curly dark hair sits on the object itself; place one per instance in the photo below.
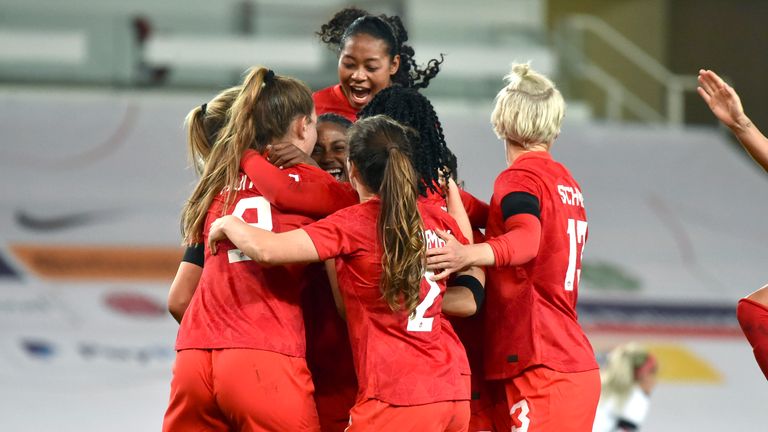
(352, 21)
(409, 107)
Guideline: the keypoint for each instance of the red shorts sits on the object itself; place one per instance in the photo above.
(481, 406)
(242, 389)
(375, 415)
(543, 400)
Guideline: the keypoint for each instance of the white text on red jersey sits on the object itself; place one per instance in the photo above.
(570, 195)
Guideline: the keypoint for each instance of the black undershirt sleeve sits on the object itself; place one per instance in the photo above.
(195, 254)
(515, 203)
(626, 426)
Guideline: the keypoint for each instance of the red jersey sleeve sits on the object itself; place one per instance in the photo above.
(290, 195)
(517, 180)
(520, 242)
(333, 235)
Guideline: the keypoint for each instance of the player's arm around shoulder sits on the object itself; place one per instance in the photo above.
(263, 246)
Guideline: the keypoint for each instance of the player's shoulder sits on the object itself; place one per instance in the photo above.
(323, 92)
(434, 215)
(325, 97)
(519, 173)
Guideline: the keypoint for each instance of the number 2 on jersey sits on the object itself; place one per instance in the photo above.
(263, 220)
(417, 322)
(577, 233)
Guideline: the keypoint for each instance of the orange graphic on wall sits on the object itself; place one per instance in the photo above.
(99, 262)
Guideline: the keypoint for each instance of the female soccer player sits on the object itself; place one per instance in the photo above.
(534, 346)
(434, 161)
(722, 99)
(203, 124)
(411, 369)
(372, 56)
(241, 346)
(628, 379)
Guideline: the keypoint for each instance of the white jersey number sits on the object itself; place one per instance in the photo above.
(263, 220)
(522, 417)
(416, 321)
(577, 233)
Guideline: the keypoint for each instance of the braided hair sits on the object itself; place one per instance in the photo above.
(431, 155)
(353, 21)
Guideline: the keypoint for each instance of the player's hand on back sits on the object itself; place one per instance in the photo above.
(450, 258)
(217, 232)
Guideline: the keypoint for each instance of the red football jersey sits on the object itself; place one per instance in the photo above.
(332, 100)
(399, 360)
(477, 210)
(531, 309)
(241, 304)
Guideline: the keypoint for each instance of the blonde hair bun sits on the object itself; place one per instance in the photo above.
(529, 109)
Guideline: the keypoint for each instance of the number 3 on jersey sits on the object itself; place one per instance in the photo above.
(577, 233)
(263, 220)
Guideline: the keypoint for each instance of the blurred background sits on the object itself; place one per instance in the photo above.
(94, 173)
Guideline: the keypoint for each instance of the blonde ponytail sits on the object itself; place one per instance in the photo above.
(203, 125)
(262, 112)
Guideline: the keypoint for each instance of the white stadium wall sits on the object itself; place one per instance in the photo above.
(93, 186)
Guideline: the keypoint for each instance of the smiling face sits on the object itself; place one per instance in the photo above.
(331, 149)
(365, 68)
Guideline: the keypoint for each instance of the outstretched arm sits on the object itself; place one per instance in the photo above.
(263, 246)
(283, 192)
(517, 246)
(456, 209)
(725, 104)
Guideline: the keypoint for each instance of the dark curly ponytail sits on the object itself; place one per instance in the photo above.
(431, 154)
(390, 29)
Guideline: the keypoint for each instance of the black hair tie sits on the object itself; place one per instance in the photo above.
(269, 76)
(203, 109)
